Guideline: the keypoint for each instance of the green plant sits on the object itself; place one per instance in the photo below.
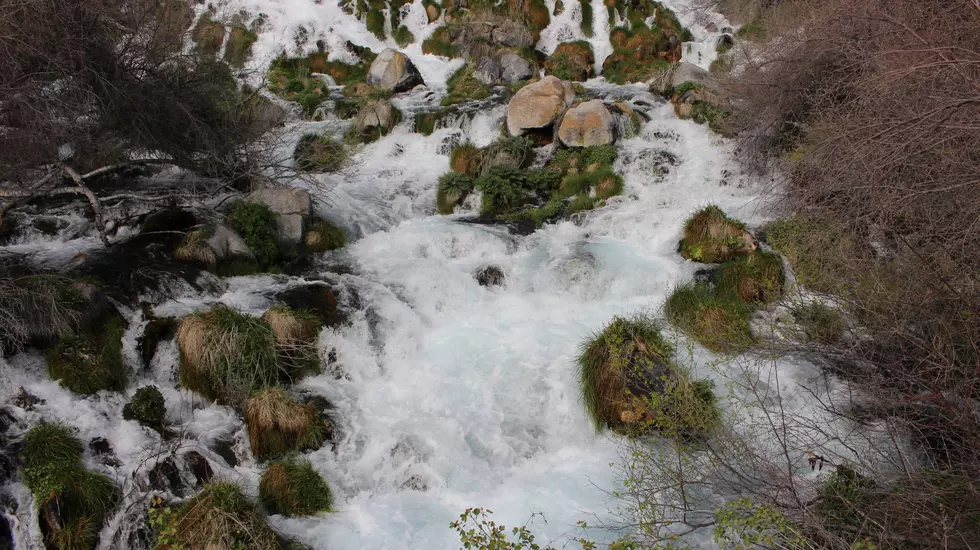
(688, 86)
(478, 532)
(319, 152)
(323, 236)
(239, 46)
(146, 407)
(715, 116)
(440, 43)
(464, 86)
(452, 189)
(744, 525)
(375, 22)
(292, 487)
(755, 276)
(843, 494)
(718, 321)
(571, 61)
(466, 158)
(219, 516)
(278, 424)
(753, 31)
(90, 361)
(710, 236)
(257, 225)
(544, 180)
(208, 34)
(816, 248)
(820, 323)
(586, 23)
(579, 204)
(403, 37)
(503, 188)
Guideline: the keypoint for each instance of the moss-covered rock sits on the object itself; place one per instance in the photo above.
(240, 40)
(72, 502)
(209, 35)
(293, 78)
(258, 226)
(319, 153)
(464, 86)
(220, 516)
(292, 487)
(452, 190)
(755, 276)
(323, 235)
(375, 119)
(631, 384)
(718, 321)
(710, 236)
(147, 407)
(571, 61)
(92, 360)
(157, 330)
(278, 424)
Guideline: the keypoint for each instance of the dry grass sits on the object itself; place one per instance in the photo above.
(220, 517)
(278, 424)
(293, 488)
(38, 309)
(195, 249)
(710, 236)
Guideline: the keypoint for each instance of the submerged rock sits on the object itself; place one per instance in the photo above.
(490, 275)
(538, 105)
(377, 117)
(587, 125)
(393, 70)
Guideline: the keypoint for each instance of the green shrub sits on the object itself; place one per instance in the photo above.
(586, 23)
(292, 487)
(752, 277)
(503, 188)
(375, 22)
(820, 323)
(452, 190)
(90, 361)
(226, 355)
(53, 471)
(219, 516)
(403, 36)
(719, 322)
(516, 151)
(464, 86)
(440, 43)
(257, 225)
(323, 236)
(581, 158)
(239, 46)
(316, 152)
(710, 236)
(580, 203)
(147, 407)
(545, 180)
(687, 86)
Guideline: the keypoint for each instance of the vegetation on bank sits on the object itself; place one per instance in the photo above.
(278, 424)
(641, 51)
(319, 153)
(91, 360)
(292, 487)
(293, 78)
(219, 516)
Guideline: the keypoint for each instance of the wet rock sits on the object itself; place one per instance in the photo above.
(490, 275)
(586, 125)
(415, 483)
(538, 105)
(376, 117)
(514, 68)
(725, 41)
(487, 71)
(323, 405)
(688, 72)
(165, 476)
(317, 298)
(100, 446)
(225, 448)
(432, 13)
(393, 70)
(98, 308)
(156, 331)
(25, 400)
(293, 207)
(200, 467)
(49, 225)
(168, 220)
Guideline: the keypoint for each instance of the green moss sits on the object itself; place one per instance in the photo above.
(292, 487)
(220, 512)
(440, 43)
(320, 153)
(91, 361)
(239, 47)
(375, 22)
(452, 190)
(571, 61)
(323, 236)
(403, 36)
(586, 23)
(256, 223)
(464, 86)
(208, 34)
(720, 322)
(710, 236)
(688, 86)
(503, 188)
(752, 277)
(820, 323)
(53, 471)
(147, 407)
(580, 203)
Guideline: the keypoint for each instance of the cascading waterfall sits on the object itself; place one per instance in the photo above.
(446, 394)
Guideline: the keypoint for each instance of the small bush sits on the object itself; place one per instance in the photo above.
(226, 355)
(278, 424)
(452, 190)
(466, 158)
(503, 188)
(544, 180)
(515, 151)
(753, 277)
(586, 23)
(323, 236)
(403, 36)
(220, 516)
(91, 361)
(820, 323)
(710, 236)
(583, 158)
(256, 223)
(147, 407)
(239, 47)
(571, 61)
(316, 152)
(54, 473)
(292, 487)
(464, 86)
(719, 322)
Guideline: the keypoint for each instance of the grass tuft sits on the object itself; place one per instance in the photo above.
(464, 86)
(710, 236)
(452, 190)
(147, 407)
(292, 487)
(319, 153)
(256, 223)
(719, 322)
(278, 424)
(820, 323)
(753, 277)
(466, 158)
(323, 236)
(91, 361)
(220, 516)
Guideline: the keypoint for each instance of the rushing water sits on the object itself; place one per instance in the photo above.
(447, 394)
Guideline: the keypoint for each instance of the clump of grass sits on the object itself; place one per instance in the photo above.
(630, 383)
(503, 188)
(544, 180)
(292, 487)
(586, 23)
(584, 158)
(816, 249)
(452, 190)
(239, 47)
(466, 158)
(719, 322)
(403, 36)
(515, 151)
(323, 236)
(256, 223)
(580, 203)
(226, 355)
(375, 23)
(571, 61)
(208, 34)
(53, 471)
(147, 407)
(278, 424)
(464, 86)
(91, 361)
(710, 236)
(296, 332)
(440, 43)
(39, 309)
(715, 116)
(317, 152)
(220, 516)
(753, 277)
(820, 323)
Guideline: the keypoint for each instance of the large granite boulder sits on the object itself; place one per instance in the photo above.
(587, 125)
(293, 207)
(514, 68)
(393, 70)
(538, 105)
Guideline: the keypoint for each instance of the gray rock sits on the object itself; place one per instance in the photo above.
(687, 72)
(587, 125)
(538, 105)
(514, 68)
(227, 244)
(285, 200)
(375, 115)
(290, 228)
(393, 70)
(487, 71)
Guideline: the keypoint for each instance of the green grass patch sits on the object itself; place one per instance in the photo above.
(571, 61)
(586, 23)
(544, 180)
(464, 86)
(820, 323)
(90, 361)
(719, 322)
(504, 188)
(715, 116)
(452, 190)
(403, 36)
(516, 151)
(220, 515)
(710, 236)
(323, 235)
(688, 86)
(292, 487)
(209, 35)
(147, 407)
(239, 46)
(580, 203)
(55, 474)
(256, 223)
(816, 248)
(375, 23)
(440, 43)
(753, 277)
(319, 153)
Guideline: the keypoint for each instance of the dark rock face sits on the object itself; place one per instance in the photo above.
(165, 476)
(318, 298)
(199, 467)
(225, 448)
(156, 331)
(168, 220)
(490, 275)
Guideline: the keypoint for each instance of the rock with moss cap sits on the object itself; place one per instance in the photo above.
(393, 70)
(587, 125)
(538, 105)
